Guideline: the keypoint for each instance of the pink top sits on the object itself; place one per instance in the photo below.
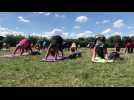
(24, 43)
(130, 44)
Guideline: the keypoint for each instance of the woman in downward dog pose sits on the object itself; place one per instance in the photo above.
(23, 45)
(56, 46)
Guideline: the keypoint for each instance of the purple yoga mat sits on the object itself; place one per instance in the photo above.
(13, 56)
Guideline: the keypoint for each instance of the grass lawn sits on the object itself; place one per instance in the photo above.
(29, 71)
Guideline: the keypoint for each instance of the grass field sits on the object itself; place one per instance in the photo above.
(29, 71)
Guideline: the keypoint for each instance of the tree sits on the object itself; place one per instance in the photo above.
(132, 38)
(81, 42)
(11, 40)
(1, 44)
(1, 38)
(33, 39)
(1, 41)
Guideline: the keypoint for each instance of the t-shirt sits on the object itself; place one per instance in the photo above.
(132, 44)
(128, 44)
(25, 43)
(73, 45)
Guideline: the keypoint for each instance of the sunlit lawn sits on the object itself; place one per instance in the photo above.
(29, 71)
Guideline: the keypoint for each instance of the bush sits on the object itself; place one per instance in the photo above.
(1, 44)
(34, 39)
(12, 40)
(83, 42)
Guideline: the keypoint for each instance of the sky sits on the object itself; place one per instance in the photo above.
(67, 24)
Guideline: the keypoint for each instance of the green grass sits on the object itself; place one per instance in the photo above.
(29, 71)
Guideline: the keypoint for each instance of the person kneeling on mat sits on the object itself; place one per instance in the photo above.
(114, 55)
(74, 54)
(129, 47)
(56, 46)
(73, 47)
(100, 53)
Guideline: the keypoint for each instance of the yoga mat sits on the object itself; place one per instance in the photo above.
(100, 60)
(52, 58)
(12, 56)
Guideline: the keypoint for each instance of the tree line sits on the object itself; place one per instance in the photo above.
(82, 42)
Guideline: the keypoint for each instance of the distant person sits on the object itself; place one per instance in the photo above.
(44, 45)
(5, 45)
(91, 45)
(117, 44)
(129, 47)
(132, 47)
(38, 45)
(117, 47)
(78, 46)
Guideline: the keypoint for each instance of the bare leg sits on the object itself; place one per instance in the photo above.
(30, 50)
(56, 54)
(22, 51)
(48, 51)
(62, 54)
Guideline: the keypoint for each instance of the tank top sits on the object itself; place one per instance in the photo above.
(100, 49)
(24, 43)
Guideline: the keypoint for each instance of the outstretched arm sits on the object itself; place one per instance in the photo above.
(18, 47)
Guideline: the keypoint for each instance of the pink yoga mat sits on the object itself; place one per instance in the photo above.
(52, 58)
(13, 56)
